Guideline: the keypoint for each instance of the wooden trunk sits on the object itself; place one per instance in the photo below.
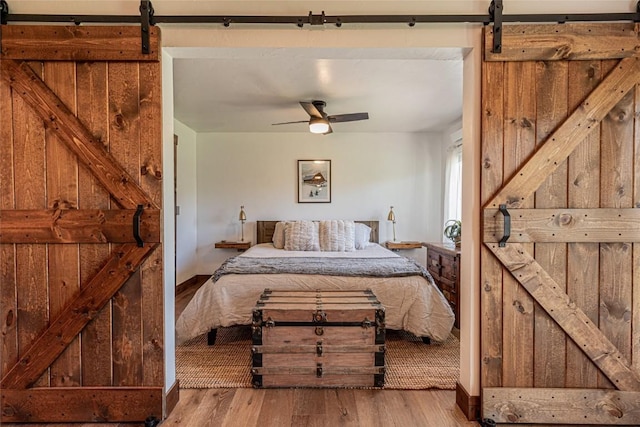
(318, 339)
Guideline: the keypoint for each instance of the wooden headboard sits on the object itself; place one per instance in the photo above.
(265, 230)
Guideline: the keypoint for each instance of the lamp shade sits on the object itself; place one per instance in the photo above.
(318, 125)
(243, 215)
(391, 216)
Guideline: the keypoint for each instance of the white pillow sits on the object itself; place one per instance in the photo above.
(278, 235)
(337, 236)
(301, 236)
(362, 235)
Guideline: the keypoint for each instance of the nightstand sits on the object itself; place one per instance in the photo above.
(240, 246)
(395, 246)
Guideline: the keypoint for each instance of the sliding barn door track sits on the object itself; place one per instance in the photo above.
(147, 17)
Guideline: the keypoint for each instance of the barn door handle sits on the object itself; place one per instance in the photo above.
(507, 226)
(136, 226)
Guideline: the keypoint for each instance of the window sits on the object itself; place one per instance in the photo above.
(452, 206)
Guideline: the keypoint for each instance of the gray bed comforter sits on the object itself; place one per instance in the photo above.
(351, 267)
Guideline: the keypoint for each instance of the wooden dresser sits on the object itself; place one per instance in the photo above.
(443, 262)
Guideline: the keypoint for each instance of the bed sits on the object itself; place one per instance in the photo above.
(409, 295)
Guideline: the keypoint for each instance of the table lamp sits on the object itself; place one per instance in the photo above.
(392, 217)
(242, 217)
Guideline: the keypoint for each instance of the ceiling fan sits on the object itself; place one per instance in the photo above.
(320, 122)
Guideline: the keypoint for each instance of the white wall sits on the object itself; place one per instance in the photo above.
(187, 200)
(370, 172)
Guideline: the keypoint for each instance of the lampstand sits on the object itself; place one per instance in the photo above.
(242, 217)
(392, 217)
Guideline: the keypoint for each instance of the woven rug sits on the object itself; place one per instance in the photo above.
(410, 364)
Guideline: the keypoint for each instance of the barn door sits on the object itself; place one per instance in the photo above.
(80, 196)
(561, 256)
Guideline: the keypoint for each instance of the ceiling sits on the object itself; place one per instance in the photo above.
(248, 89)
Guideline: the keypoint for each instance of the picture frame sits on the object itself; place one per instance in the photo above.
(314, 181)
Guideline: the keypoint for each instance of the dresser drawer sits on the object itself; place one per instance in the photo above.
(433, 263)
(442, 264)
(449, 268)
(448, 285)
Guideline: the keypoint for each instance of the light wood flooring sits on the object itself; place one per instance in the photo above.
(317, 407)
(247, 407)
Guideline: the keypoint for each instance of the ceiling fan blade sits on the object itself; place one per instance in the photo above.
(339, 118)
(288, 123)
(311, 109)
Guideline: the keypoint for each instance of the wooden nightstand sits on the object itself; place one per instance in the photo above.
(395, 246)
(240, 246)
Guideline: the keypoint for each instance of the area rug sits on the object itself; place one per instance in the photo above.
(410, 364)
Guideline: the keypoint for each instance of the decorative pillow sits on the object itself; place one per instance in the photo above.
(301, 236)
(337, 236)
(278, 235)
(363, 235)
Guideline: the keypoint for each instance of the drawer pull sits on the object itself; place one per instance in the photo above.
(319, 370)
(319, 348)
(319, 331)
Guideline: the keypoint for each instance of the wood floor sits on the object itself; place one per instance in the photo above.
(317, 407)
(247, 407)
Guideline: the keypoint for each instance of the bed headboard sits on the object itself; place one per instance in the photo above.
(265, 230)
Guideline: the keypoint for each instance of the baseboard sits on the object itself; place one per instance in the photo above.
(470, 405)
(193, 281)
(171, 398)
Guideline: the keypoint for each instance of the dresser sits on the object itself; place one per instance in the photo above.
(443, 262)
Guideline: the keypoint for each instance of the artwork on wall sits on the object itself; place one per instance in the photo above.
(314, 181)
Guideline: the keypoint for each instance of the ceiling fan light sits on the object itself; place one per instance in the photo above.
(318, 125)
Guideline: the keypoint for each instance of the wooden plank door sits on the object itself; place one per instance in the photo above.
(81, 297)
(560, 263)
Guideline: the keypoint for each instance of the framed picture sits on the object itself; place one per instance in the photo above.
(314, 181)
